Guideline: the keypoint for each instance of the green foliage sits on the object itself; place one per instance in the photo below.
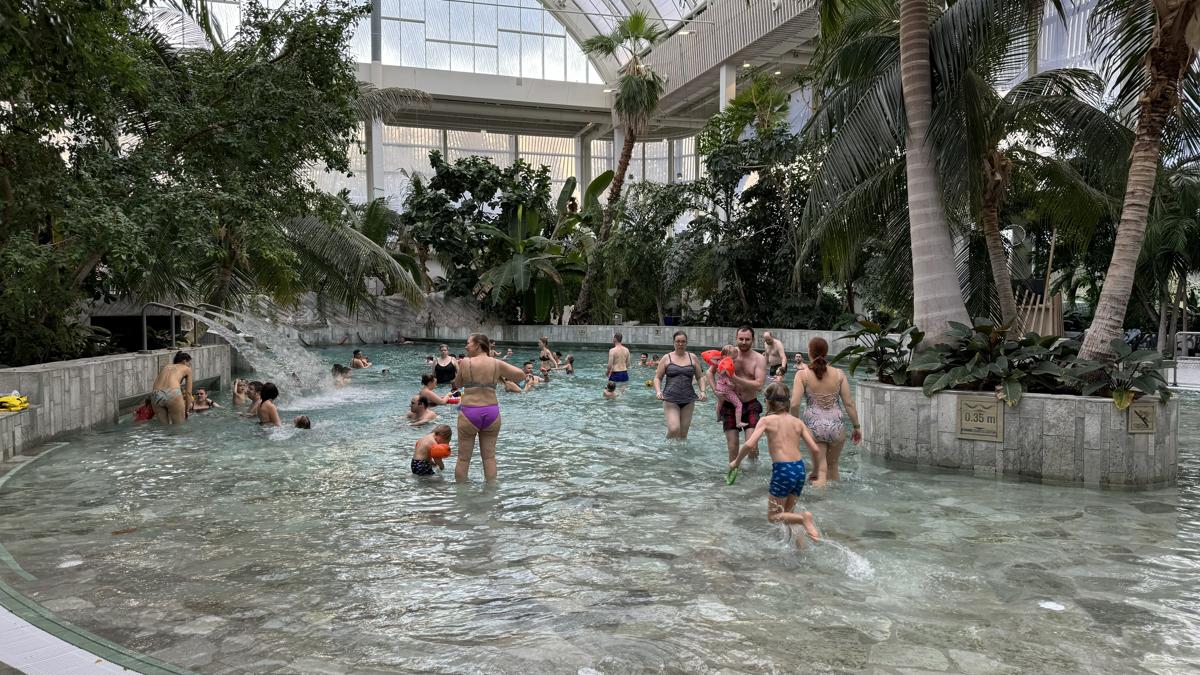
(986, 358)
(130, 167)
(639, 249)
(1131, 373)
(883, 350)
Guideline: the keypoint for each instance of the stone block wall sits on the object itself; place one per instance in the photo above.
(67, 396)
(1070, 440)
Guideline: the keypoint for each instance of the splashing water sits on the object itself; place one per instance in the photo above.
(271, 351)
(856, 566)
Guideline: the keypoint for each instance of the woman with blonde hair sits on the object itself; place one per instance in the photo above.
(821, 387)
(547, 357)
(479, 410)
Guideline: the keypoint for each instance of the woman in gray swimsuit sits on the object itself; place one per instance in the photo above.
(673, 386)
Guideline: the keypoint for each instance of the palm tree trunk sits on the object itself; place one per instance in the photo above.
(937, 298)
(1167, 59)
(1164, 318)
(584, 300)
(996, 168)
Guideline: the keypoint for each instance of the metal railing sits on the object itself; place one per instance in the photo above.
(145, 341)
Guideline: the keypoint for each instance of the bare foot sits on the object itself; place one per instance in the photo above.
(810, 527)
(819, 483)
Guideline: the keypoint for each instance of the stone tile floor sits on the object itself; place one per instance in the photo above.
(25, 648)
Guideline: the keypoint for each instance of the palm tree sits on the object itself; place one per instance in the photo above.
(878, 119)
(762, 105)
(638, 91)
(1001, 135)
(1150, 47)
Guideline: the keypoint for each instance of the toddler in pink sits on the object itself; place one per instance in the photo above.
(722, 369)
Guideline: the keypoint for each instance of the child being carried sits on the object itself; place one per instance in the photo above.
(721, 372)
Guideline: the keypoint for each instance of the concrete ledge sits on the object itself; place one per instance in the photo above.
(653, 339)
(1057, 439)
(67, 396)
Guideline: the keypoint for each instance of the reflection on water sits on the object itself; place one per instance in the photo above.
(603, 548)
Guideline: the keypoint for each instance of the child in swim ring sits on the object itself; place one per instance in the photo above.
(422, 462)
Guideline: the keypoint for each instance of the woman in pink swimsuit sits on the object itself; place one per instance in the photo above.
(821, 388)
(479, 411)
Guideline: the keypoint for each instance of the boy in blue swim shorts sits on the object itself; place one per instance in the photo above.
(784, 435)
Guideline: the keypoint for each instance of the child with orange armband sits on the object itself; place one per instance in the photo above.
(430, 450)
(722, 367)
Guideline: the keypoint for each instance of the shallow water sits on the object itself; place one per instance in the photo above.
(604, 548)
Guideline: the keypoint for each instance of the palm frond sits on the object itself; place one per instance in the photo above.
(353, 255)
(375, 102)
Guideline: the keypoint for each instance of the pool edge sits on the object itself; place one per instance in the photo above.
(41, 618)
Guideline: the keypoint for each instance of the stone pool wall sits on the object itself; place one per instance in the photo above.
(67, 396)
(1069, 440)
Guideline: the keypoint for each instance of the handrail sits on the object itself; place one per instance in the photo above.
(145, 343)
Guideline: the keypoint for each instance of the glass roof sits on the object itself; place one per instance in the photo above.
(601, 13)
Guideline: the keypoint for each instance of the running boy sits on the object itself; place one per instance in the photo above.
(422, 463)
(784, 435)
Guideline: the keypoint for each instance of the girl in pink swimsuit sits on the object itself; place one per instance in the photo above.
(479, 411)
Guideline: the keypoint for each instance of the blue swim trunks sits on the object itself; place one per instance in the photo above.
(787, 478)
(619, 376)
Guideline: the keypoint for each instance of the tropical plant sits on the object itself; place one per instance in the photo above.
(877, 123)
(986, 358)
(639, 88)
(533, 262)
(176, 178)
(883, 350)
(1149, 50)
(640, 244)
(1126, 375)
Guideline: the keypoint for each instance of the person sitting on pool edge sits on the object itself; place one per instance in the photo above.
(268, 414)
(359, 360)
(422, 463)
(784, 434)
(419, 414)
(302, 422)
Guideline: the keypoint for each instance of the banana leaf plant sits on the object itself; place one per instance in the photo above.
(882, 350)
(535, 263)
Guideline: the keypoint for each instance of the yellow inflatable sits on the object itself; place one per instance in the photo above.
(14, 403)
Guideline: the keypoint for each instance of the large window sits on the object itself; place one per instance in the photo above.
(521, 40)
(484, 36)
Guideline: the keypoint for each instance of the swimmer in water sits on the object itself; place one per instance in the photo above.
(610, 390)
(422, 463)
(203, 402)
(419, 414)
(239, 392)
(268, 414)
(359, 360)
(428, 381)
(254, 393)
(618, 362)
(302, 422)
(784, 436)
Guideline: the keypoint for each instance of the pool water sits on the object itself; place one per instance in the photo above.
(603, 548)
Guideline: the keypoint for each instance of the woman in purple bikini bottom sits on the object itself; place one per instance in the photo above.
(479, 411)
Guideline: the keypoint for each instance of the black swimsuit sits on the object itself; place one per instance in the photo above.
(444, 374)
